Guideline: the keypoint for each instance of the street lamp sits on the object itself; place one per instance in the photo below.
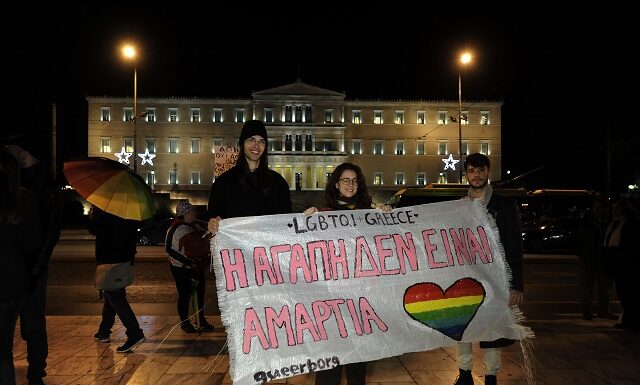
(129, 52)
(465, 58)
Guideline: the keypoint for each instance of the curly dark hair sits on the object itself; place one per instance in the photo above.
(332, 195)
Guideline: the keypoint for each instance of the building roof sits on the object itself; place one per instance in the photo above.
(298, 88)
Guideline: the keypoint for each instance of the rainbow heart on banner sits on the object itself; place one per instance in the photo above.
(448, 311)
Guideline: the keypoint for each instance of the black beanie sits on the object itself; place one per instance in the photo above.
(251, 128)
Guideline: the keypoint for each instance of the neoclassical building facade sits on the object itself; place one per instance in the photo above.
(397, 143)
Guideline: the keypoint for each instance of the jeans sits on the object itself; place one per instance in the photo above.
(33, 329)
(115, 302)
(183, 277)
(8, 317)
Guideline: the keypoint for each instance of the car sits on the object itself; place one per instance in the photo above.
(550, 234)
(153, 232)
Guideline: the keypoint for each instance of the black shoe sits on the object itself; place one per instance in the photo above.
(36, 382)
(130, 344)
(607, 316)
(206, 326)
(490, 380)
(188, 328)
(102, 337)
(464, 378)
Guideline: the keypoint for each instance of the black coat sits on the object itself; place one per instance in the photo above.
(20, 244)
(505, 212)
(116, 238)
(230, 198)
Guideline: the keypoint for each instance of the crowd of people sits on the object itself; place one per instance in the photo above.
(30, 227)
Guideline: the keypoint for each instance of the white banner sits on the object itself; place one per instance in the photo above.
(300, 293)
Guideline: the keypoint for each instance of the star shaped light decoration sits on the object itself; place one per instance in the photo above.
(123, 156)
(450, 162)
(146, 157)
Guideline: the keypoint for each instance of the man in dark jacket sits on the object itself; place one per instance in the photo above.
(505, 213)
(249, 188)
(116, 243)
(33, 322)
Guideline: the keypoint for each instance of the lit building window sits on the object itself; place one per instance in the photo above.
(128, 114)
(195, 177)
(151, 115)
(465, 117)
(173, 145)
(420, 147)
(442, 117)
(465, 148)
(399, 178)
(484, 148)
(173, 114)
(421, 117)
(151, 145)
(173, 177)
(377, 117)
(298, 113)
(378, 147)
(195, 115)
(217, 143)
(442, 147)
(268, 115)
(484, 117)
(421, 179)
(377, 178)
(328, 116)
(195, 145)
(400, 147)
(239, 115)
(217, 115)
(106, 114)
(356, 146)
(399, 118)
(151, 178)
(128, 144)
(357, 117)
(105, 145)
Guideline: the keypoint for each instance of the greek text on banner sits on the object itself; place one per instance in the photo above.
(299, 293)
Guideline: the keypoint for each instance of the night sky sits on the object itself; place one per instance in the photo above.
(561, 74)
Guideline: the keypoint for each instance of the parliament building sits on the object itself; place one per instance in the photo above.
(397, 143)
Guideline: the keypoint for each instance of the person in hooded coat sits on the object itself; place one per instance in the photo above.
(250, 188)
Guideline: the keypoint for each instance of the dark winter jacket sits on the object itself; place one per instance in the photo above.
(116, 238)
(505, 212)
(20, 244)
(229, 198)
(50, 208)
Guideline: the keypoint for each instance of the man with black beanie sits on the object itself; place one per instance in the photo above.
(250, 188)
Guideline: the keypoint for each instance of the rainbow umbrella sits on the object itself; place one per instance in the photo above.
(111, 186)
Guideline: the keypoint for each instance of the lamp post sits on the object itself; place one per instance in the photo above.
(129, 52)
(465, 58)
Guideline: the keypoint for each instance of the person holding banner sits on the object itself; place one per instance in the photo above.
(250, 188)
(346, 190)
(505, 212)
